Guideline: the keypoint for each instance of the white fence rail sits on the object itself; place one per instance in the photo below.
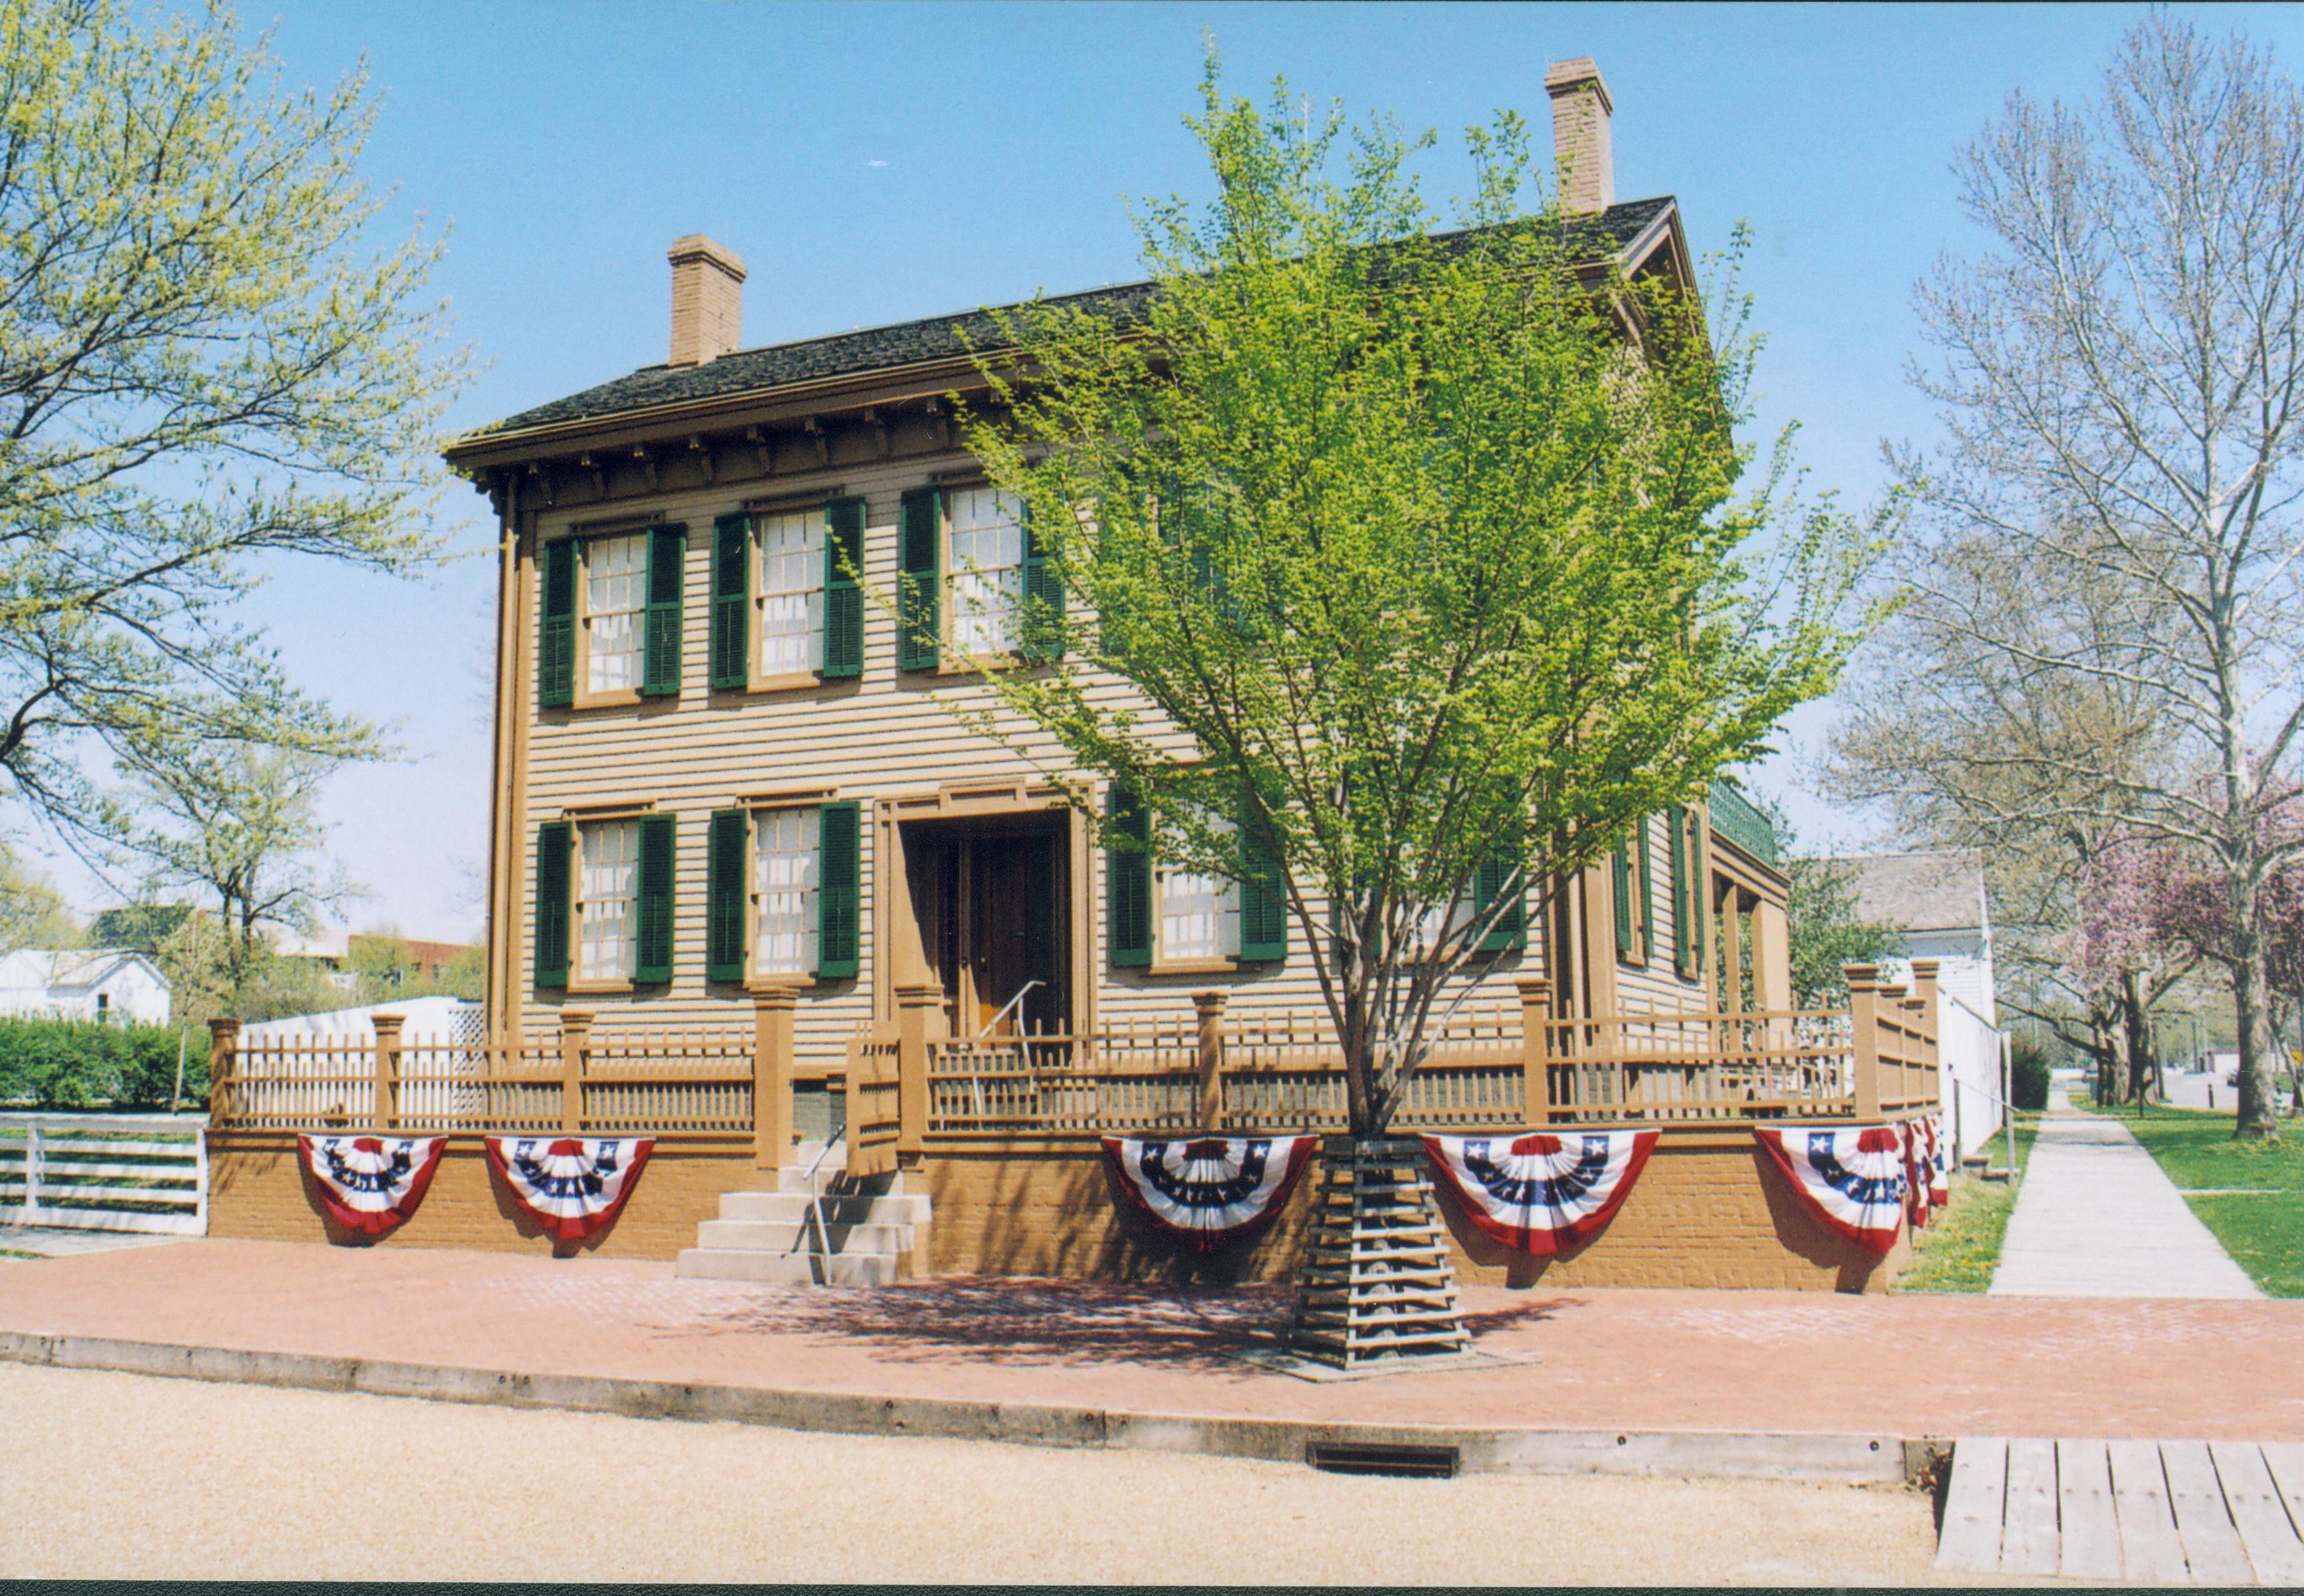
(147, 1172)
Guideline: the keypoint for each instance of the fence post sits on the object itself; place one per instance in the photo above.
(1925, 988)
(1536, 1049)
(1210, 1007)
(32, 1171)
(771, 1076)
(224, 1046)
(575, 1041)
(387, 1070)
(914, 1005)
(1864, 1027)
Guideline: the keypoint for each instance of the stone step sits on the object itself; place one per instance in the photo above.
(785, 1235)
(842, 1209)
(790, 1268)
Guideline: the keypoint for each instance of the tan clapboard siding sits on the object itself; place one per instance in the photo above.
(883, 735)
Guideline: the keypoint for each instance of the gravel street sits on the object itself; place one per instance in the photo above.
(124, 1476)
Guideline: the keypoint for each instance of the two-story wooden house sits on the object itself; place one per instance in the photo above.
(740, 841)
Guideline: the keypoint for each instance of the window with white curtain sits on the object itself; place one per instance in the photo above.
(1199, 916)
(987, 532)
(791, 592)
(783, 891)
(607, 891)
(615, 591)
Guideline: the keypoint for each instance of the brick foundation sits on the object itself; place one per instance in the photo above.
(1708, 1210)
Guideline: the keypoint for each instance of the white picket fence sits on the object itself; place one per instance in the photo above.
(145, 1172)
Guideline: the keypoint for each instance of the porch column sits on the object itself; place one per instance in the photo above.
(771, 1077)
(1535, 1049)
(1210, 1007)
(387, 1070)
(915, 1006)
(1772, 958)
(575, 1042)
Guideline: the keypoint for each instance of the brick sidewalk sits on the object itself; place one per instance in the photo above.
(1761, 1362)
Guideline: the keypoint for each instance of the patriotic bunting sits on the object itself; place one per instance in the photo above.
(1916, 1162)
(1939, 1162)
(1208, 1190)
(1853, 1180)
(572, 1186)
(371, 1183)
(1541, 1192)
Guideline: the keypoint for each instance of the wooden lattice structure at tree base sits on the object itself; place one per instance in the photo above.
(1377, 1282)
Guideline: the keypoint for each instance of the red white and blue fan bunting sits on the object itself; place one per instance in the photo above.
(1853, 1180)
(572, 1186)
(371, 1183)
(1916, 1171)
(1208, 1190)
(1540, 1192)
(1939, 1162)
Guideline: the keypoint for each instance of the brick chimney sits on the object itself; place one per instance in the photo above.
(708, 300)
(1580, 109)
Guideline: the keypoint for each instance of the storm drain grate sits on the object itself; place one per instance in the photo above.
(1354, 1457)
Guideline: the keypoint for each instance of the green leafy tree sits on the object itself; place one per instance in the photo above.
(32, 914)
(140, 928)
(204, 364)
(1393, 555)
(386, 968)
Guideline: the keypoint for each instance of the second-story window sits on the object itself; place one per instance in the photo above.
(615, 593)
(987, 533)
(1199, 916)
(791, 592)
(784, 865)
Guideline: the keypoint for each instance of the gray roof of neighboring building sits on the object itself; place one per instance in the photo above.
(911, 342)
(1939, 891)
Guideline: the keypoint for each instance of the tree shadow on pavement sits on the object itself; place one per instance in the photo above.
(963, 1319)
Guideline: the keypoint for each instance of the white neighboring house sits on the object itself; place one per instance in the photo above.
(1937, 900)
(84, 983)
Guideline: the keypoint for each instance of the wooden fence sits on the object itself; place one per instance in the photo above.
(143, 1172)
(906, 1087)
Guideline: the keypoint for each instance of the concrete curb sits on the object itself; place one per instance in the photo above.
(1687, 1454)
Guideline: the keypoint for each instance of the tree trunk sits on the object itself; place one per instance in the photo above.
(2134, 1021)
(2257, 1119)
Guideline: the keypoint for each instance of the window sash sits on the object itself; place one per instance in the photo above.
(608, 901)
(786, 855)
(1199, 916)
(987, 533)
(615, 593)
(791, 592)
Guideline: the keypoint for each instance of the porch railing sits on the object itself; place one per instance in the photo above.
(1490, 1069)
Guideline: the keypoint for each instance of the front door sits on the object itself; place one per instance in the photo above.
(995, 904)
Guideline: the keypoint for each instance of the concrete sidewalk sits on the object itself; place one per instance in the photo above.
(2095, 1218)
(1599, 1378)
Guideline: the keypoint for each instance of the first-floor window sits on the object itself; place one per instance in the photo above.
(791, 592)
(785, 870)
(1199, 916)
(987, 533)
(615, 575)
(608, 893)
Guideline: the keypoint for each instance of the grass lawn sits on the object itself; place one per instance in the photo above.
(1960, 1246)
(2261, 1221)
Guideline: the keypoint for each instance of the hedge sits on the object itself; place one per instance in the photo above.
(86, 1063)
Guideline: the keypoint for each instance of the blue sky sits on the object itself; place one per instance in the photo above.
(876, 163)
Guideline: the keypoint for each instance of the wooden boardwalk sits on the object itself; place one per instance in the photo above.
(2219, 1513)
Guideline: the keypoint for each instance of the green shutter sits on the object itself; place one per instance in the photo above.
(1262, 896)
(1620, 890)
(1699, 893)
(1684, 919)
(667, 553)
(1128, 882)
(732, 601)
(839, 890)
(1647, 888)
(556, 637)
(725, 898)
(843, 596)
(1043, 628)
(920, 551)
(554, 840)
(1510, 933)
(659, 836)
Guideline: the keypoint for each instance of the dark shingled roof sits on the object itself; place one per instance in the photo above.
(910, 343)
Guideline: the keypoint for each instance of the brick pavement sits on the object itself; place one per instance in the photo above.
(1761, 1362)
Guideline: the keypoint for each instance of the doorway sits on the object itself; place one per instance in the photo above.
(993, 897)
